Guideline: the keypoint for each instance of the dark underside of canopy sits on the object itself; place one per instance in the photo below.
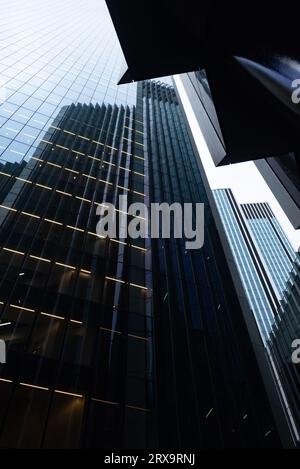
(167, 37)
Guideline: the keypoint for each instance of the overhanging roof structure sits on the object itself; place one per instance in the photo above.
(251, 55)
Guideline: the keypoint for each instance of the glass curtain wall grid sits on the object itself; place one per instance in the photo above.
(275, 249)
(265, 260)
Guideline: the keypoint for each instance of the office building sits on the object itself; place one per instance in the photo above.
(274, 248)
(266, 263)
(75, 308)
(281, 173)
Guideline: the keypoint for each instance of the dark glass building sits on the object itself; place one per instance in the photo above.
(76, 309)
(267, 266)
(112, 343)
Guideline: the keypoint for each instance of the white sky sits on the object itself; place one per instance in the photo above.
(244, 179)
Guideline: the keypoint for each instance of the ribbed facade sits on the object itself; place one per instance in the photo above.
(76, 308)
(207, 379)
(258, 286)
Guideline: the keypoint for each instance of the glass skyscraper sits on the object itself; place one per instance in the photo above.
(280, 172)
(266, 261)
(264, 256)
(112, 343)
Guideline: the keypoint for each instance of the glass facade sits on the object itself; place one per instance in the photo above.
(281, 172)
(265, 260)
(272, 243)
(77, 308)
(206, 372)
(282, 176)
(285, 331)
(112, 343)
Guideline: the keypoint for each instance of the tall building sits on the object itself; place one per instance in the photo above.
(266, 261)
(274, 247)
(75, 309)
(283, 177)
(204, 363)
(112, 343)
